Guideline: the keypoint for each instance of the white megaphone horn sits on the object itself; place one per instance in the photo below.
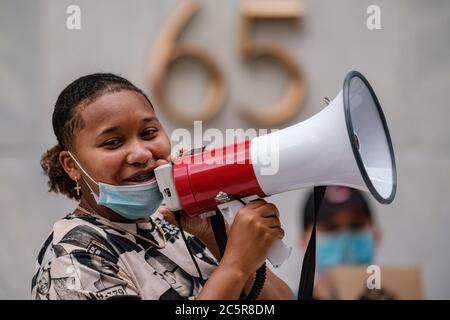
(347, 143)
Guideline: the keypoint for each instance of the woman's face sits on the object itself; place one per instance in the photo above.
(121, 141)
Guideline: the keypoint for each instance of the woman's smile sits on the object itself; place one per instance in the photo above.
(141, 177)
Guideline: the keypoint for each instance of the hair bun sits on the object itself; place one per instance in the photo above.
(58, 179)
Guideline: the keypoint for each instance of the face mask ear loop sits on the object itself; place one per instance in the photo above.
(92, 191)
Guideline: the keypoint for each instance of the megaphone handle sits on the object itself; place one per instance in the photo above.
(278, 252)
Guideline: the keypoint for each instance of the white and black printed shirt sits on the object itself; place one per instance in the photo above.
(85, 259)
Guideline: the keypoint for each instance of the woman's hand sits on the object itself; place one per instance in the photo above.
(252, 233)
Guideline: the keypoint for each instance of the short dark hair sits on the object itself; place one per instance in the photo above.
(335, 198)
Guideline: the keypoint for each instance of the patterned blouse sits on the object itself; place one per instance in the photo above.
(85, 259)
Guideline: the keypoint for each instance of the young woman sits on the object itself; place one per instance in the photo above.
(116, 242)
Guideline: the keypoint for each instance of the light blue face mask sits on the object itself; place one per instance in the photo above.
(132, 202)
(345, 247)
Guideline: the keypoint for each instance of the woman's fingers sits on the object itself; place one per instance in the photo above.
(280, 233)
(269, 210)
(160, 162)
(276, 233)
(178, 154)
(256, 204)
(272, 222)
(168, 215)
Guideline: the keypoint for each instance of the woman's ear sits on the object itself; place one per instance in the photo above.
(69, 165)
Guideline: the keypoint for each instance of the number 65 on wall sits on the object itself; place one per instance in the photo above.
(166, 51)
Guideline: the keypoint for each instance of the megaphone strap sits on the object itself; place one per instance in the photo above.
(306, 286)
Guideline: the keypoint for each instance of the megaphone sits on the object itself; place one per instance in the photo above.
(347, 143)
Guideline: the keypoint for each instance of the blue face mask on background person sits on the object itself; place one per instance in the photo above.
(130, 201)
(345, 247)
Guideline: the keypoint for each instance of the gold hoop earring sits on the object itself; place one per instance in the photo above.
(77, 188)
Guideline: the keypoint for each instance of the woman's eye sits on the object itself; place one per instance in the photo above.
(112, 143)
(149, 132)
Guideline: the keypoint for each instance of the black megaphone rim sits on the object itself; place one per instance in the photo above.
(350, 130)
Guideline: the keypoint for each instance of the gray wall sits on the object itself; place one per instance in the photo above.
(408, 63)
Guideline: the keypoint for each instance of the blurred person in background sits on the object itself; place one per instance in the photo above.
(346, 233)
